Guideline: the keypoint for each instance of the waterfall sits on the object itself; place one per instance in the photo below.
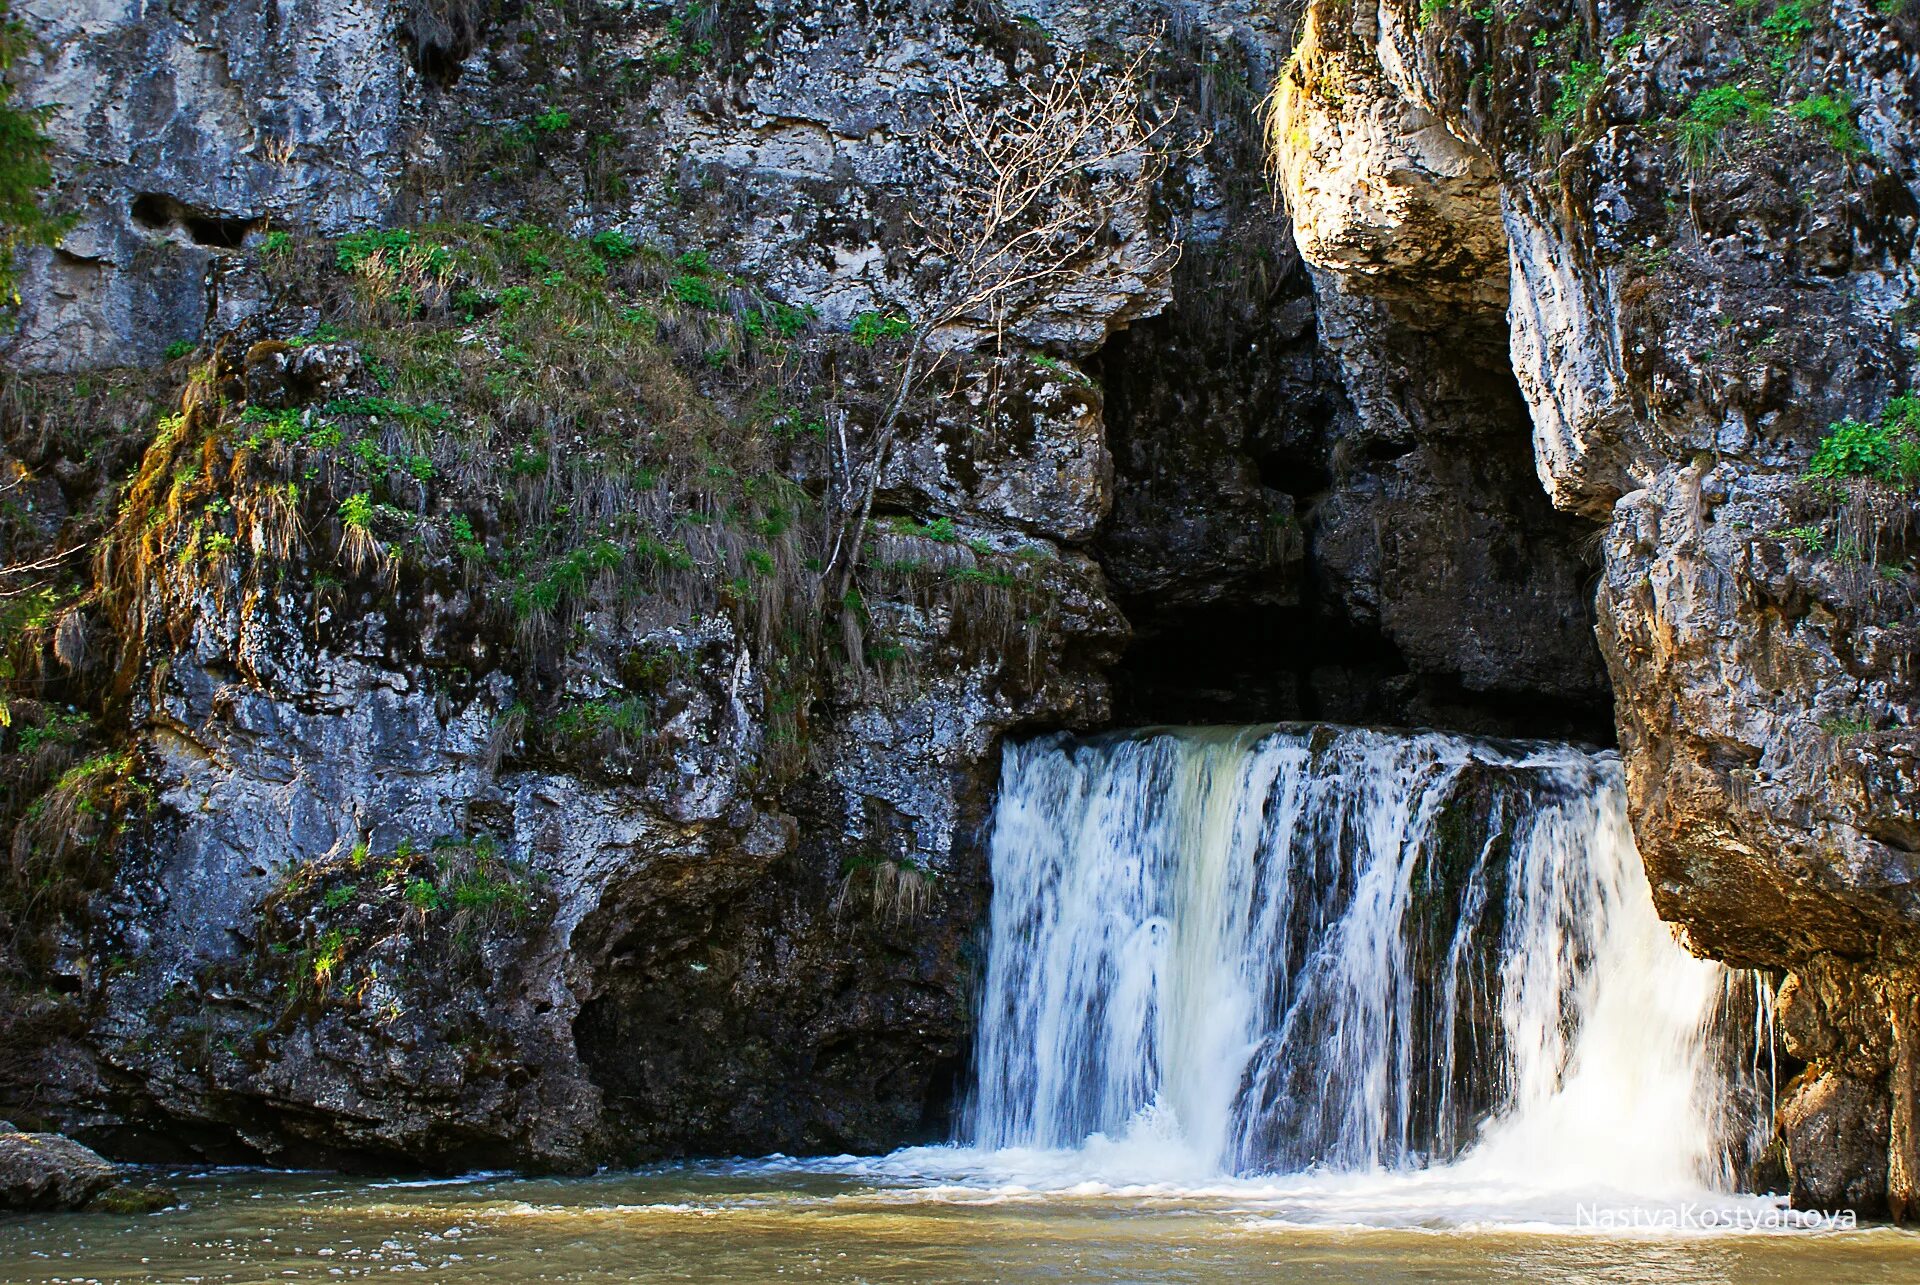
(1276, 950)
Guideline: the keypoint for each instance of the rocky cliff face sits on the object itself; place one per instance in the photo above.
(1701, 225)
(443, 760)
(430, 744)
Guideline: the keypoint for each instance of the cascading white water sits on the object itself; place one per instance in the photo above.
(1287, 949)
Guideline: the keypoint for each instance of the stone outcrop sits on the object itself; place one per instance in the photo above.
(44, 1171)
(403, 864)
(1690, 307)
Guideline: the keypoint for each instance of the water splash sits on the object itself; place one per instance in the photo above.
(1270, 951)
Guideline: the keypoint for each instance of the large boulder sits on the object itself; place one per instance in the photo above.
(44, 1171)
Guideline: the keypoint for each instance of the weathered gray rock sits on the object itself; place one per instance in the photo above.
(44, 1171)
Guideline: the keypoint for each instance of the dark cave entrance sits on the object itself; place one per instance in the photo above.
(1284, 554)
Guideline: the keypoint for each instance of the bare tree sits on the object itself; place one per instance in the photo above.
(1023, 195)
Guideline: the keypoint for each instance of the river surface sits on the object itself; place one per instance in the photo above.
(851, 1221)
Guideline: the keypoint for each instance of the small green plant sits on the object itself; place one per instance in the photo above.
(1811, 538)
(355, 249)
(1833, 116)
(661, 553)
(324, 333)
(422, 413)
(180, 348)
(551, 121)
(1712, 112)
(393, 247)
(586, 720)
(368, 452)
(276, 243)
(690, 288)
(940, 529)
(1886, 450)
(328, 954)
(421, 894)
(1580, 85)
(685, 46)
(869, 328)
(59, 728)
(613, 246)
(982, 575)
(356, 511)
(1788, 26)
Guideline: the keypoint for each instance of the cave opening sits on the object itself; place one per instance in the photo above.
(1359, 538)
(159, 212)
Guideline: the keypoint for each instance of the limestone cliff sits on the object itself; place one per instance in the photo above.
(1701, 226)
(432, 742)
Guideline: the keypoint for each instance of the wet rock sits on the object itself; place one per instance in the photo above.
(1835, 1129)
(131, 1199)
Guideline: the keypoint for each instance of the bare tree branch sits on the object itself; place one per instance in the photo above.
(1023, 195)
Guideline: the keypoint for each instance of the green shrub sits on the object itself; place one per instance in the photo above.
(1713, 111)
(551, 121)
(869, 328)
(1833, 115)
(1886, 450)
(356, 511)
